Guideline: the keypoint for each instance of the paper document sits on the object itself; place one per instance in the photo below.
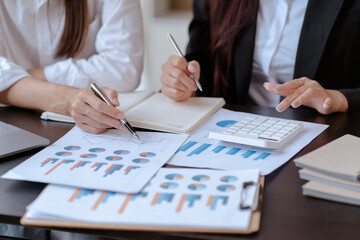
(184, 198)
(200, 151)
(113, 161)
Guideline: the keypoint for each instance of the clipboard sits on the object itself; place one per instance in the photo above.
(254, 224)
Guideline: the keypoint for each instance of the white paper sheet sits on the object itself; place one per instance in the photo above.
(113, 161)
(200, 151)
(194, 198)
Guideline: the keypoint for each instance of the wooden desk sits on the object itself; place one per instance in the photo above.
(286, 213)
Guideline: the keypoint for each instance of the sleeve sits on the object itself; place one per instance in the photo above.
(119, 45)
(199, 45)
(10, 73)
(353, 98)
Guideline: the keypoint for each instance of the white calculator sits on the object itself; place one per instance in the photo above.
(260, 131)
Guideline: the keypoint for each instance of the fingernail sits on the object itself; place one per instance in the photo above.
(195, 88)
(193, 66)
(295, 104)
(279, 107)
(265, 83)
(326, 105)
(276, 89)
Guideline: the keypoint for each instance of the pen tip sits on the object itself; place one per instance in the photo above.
(137, 136)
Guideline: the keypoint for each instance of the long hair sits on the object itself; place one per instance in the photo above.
(75, 28)
(227, 19)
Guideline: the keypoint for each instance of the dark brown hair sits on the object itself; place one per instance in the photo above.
(75, 28)
(227, 18)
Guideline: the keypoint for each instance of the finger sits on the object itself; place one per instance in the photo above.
(178, 62)
(84, 119)
(90, 129)
(112, 95)
(90, 105)
(99, 105)
(327, 103)
(194, 69)
(284, 104)
(303, 98)
(290, 85)
(175, 94)
(184, 82)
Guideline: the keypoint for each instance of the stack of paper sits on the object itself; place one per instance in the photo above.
(333, 171)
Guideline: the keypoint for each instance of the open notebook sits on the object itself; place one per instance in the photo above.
(146, 109)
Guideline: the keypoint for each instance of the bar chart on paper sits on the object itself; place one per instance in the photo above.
(200, 151)
(211, 202)
(108, 161)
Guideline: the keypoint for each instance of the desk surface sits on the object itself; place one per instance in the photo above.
(286, 213)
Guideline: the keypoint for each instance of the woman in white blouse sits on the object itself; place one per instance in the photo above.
(50, 52)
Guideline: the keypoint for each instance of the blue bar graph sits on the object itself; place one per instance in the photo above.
(186, 146)
(262, 156)
(233, 151)
(97, 166)
(218, 149)
(248, 154)
(107, 195)
(51, 160)
(84, 193)
(200, 149)
(140, 194)
(160, 197)
(112, 169)
(191, 198)
(213, 200)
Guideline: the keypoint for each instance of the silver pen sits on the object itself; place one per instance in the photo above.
(179, 54)
(102, 96)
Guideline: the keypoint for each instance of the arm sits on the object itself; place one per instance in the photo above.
(119, 46)
(89, 112)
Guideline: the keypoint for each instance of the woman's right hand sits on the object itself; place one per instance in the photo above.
(94, 115)
(175, 78)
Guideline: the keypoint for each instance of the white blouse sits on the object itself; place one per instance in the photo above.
(279, 24)
(112, 55)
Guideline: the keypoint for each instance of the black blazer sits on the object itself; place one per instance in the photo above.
(328, 50)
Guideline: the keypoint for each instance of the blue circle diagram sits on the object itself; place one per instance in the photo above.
(121, 152)
(169, 185)
(174, 176)
(228, 179)
(226, 123)
(63, 153)
(147, 154)
(140, 160)
(226, 188)
(197, 186)
(72, 148)
(113, 158)
(97, 150)
(88, 155)
(201, 178)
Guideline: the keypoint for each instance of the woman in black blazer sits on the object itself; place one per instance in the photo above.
(326, 72)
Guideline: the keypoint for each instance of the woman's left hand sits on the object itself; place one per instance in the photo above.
(307, 92)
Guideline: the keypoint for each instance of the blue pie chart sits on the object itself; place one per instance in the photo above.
(140, 160)
(201, 178)
(72, 148)
(169, 185)
(226, 188)
(226, 123)
(228, 179)
(88, 155)
(121, 152)
(63, 153)
(113, 158)
(97, 150)
(147, 154)
(197, 186)
(174, 176)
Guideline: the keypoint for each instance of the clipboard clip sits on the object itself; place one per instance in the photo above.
(243, 194)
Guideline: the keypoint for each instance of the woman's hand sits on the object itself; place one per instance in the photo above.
(94, 115)
(307, 92)
(175, 78)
